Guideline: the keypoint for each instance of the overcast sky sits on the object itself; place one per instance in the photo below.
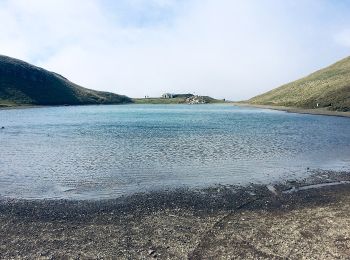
(222, 48)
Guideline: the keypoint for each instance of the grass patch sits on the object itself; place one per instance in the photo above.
(177, 100)
(326, 88)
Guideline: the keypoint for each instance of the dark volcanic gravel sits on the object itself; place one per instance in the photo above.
(254, 222)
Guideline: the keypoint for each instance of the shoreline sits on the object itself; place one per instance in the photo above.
(19, 107)
(320, 111)
(257, 221)
(135, 103)
(316, 111)
(51, 106)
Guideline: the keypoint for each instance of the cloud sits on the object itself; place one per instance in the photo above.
(222, 48)
(343, 38)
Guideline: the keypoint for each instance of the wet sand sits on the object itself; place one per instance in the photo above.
(291, 220)
(316, 111)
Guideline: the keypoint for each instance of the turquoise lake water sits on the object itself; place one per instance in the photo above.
(99, 152)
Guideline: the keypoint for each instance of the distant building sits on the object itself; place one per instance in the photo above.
(167, 95)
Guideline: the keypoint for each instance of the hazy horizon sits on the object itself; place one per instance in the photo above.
(225, 49)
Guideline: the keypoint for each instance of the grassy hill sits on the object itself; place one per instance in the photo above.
(24, 84)
(178, 99)
(328, 87)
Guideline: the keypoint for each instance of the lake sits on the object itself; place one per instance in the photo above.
(101, 152)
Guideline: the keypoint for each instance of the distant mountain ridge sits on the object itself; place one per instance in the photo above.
(24, 84)
(326, 88)
(168, 98)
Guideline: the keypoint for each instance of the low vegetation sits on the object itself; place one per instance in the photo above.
(326, 88)
(178, 99)
(24, 84)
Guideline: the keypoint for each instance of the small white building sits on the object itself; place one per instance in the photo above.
(167, 95)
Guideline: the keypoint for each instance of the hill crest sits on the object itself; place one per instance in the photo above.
(22, 83)
(326, 88)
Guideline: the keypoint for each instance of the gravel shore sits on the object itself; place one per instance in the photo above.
(316, 111)
(292, 220)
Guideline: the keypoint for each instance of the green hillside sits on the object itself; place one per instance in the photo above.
(328, 87)
(179, 99)
(24, 84)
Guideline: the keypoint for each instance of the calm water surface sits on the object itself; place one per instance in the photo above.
(98, 152)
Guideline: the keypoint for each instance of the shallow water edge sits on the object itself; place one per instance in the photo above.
(322, 112)
(249, 223)
(215, 198)
(316, 111)
(104, 152)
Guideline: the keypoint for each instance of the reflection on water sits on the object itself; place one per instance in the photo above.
(96, 152)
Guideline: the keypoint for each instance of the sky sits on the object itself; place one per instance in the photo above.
(222, 48)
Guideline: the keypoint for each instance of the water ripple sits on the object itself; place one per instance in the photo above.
(106, 151)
